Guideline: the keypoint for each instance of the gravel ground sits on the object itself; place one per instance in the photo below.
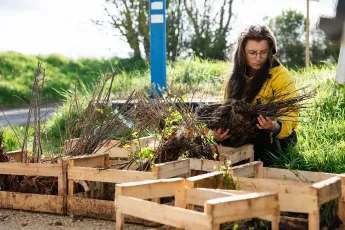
(18, 220)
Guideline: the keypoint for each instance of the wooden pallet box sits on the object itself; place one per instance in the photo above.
(299, 191)
(35, 202)
(226, 154)
(219, 207)
(94, 168)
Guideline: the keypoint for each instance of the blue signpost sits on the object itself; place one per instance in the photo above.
(158, 44)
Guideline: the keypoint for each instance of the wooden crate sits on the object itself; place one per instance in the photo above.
(87, 169)
(36, 202)
(226, 154)
(299, 191)
(219, 207)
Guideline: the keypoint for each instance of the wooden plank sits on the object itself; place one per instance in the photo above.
(296, 175)
(172, 216)
(305, 198)
(180, 194)
(232, 208)
(15, 155)
(229, 150)
(150, 141)
(172, 169)
(149, 189)
(198, 196)
(205, 165)
(119, 152)
(111, 143)
(246, 170)
(328, 190)
(71, 143)
(245, 152)
(31, 202)
(98, 209)
(133, 166)
(31, 169)
(208, 180)
(341, 203)
(94, 160)
(108, 175)
(314, 221)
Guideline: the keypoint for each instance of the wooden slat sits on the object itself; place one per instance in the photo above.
(93, 160)
(180, 194)
(341, 203)
(172, 169)
(31, 202)
(305, 198)
(236, 155)
(247, 170)
(328, 190)
(205, 165)
(232, 208)
(172, 216)
(149, 189)
(198, 196)
(116, 152)
(208, 180)
(133, 166)
(296, 175)
(108, 175)
(99, 209)
(150, 141)
(32, 169)
(260, 185)
(15, 155)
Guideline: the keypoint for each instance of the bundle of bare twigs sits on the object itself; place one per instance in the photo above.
(174, 123)
(189, 136)
(241, 117)
(97, 122)
(35, 109)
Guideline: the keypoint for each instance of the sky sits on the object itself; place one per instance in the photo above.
(64, 26)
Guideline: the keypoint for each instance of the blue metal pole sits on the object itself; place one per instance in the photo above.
(158, 45)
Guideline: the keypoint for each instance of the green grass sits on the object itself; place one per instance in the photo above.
(321, 132)
(17, 74)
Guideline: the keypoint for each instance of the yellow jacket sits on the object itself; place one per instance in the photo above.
(283, 82)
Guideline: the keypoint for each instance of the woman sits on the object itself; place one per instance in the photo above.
(257, 74)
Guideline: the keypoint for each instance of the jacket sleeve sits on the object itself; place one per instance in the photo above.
(284, 84)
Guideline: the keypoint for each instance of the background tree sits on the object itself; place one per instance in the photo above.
(211, 26)
(189, 26)
(131, 19)
(289, 29)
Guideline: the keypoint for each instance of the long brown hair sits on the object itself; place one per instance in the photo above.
(236, 86)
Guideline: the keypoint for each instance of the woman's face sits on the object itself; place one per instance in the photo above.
(256, 53)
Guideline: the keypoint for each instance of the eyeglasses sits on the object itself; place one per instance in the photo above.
(253, 54)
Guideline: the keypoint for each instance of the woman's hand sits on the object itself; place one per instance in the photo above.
(219, 136)
(268, 123)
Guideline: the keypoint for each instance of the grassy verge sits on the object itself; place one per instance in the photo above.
(17, 73)
(321, 132)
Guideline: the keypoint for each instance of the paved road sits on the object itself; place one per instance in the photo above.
(20, 116)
